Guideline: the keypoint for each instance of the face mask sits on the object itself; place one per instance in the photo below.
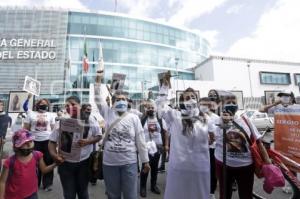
(86, 115)
(72, 112)
(203, 109)
(25, 152)
(285, 99)
(190, 108)
(129, 106)
(230, 108)
(121, 106)
(42, 107)
(150, 113)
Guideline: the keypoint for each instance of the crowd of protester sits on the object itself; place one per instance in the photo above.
(135, 144)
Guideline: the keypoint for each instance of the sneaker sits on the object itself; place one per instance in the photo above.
(161, 170)
(143, 192)
(212, 196)
(47, 189)
(287, 189)
(155, 190)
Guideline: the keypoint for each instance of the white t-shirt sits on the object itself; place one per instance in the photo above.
(135, 111)
(189, 153)
(238, 153)
(94, 131)
(126, 137)
(155, 133)
(40, 124)
(213, 119)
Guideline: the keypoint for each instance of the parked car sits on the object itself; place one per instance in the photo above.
(260, 120)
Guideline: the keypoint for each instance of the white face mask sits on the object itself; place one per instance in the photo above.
(285, 99)
(203, 109)
(191, 108)
(121, 106)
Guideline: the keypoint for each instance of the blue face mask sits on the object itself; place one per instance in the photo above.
(121, 106)
(230, 108)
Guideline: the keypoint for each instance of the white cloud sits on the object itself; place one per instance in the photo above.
(276, 36)
(66, 4)
(139, 8)
(235, 9)
(191, 9)
(210, 35)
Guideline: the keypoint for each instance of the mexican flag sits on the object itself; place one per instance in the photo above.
(85, 63)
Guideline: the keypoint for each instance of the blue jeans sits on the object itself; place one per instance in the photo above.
(121, 180)
(74, 178)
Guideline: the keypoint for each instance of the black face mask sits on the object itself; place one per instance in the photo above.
(150, 113)
(43, 107)
(129, 106)
(25, 152)
(86, 115)
(230, 108)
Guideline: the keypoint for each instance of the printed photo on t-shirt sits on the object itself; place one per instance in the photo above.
(236, 142)
(120, 138)
(41, 123)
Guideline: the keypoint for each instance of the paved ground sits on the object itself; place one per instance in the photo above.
(97, 191)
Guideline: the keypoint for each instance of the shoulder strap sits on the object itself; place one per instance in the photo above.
(36, 158)
(243, 131)
(112, 126)
(143, 120)
(12, 161)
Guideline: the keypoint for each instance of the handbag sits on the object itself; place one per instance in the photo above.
(256, 156)
(96, 157)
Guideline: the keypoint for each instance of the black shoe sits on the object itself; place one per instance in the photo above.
(161, 169)
(155, 190)
(143, 192)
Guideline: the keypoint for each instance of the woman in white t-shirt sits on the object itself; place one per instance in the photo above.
(41, 123)
(189, 166)
(239, 163)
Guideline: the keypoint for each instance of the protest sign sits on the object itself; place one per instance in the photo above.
(287, 134)
(32, 86)
(164, 78)
(70, 132)
(118, 81)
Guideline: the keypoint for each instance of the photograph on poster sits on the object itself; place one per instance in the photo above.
(271, 97)
(16, 100)
(239, 98)
(178, 93)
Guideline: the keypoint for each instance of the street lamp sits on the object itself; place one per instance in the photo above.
(249, 75)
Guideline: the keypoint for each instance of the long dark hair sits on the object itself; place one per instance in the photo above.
(188, 123)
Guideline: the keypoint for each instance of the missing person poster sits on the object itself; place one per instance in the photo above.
(164, 79)
(32, 86)
(118, 81)
(70, 132)
(287, 134)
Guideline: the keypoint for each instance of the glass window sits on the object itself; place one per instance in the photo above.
(275, 78)
(297, 79)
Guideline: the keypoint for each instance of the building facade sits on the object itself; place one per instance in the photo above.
(138, 48)
(255, 82)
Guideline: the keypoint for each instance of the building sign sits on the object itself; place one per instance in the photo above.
(27, 49)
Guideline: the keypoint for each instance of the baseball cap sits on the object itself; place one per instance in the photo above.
(21, 136)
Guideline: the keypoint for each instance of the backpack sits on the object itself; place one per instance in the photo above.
(13, 160)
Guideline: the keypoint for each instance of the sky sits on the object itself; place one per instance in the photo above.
(262, 29)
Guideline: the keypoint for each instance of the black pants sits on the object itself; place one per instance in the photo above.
(153, 161)
(45, 179)
(74, 178)
(213, 176)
